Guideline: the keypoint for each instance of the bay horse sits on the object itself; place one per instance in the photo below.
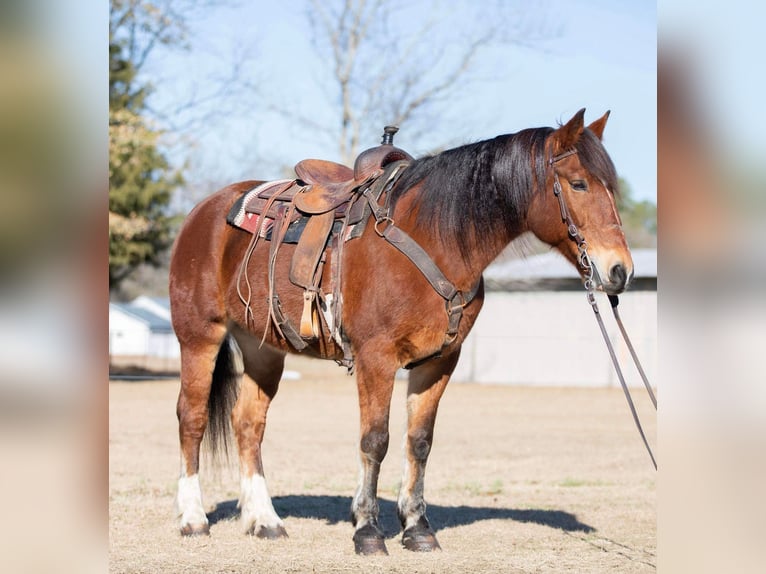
(462, 207)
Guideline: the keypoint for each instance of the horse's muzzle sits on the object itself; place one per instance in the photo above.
(618, 279)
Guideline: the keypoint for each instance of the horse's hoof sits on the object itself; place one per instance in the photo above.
(420, 538)
(195, 530)
(271, 532)
(369, 541)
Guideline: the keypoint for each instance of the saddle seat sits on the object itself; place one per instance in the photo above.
(332, 184)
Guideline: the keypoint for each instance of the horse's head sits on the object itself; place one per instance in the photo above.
(577, 208)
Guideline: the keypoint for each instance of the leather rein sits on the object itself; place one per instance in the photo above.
(589, 271)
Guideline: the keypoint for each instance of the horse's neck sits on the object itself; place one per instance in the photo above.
(485, 254)
(463, 272)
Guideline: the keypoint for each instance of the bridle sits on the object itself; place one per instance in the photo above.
(583, 258)
(588, 269)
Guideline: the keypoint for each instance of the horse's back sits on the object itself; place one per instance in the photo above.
(211, 211)
(195, 264)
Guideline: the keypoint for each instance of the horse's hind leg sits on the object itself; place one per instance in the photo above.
(263, 370)
(197, 365)
(426, 386)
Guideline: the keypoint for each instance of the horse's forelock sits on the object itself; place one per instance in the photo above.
(596, 160)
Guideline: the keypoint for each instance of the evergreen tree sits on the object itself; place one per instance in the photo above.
(639, 218)
(141, 179)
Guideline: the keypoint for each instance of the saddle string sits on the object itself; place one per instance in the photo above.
(246, 262)
(278, 231)
(336, 275)
(375, 187)
(243, 271)
(589, 284)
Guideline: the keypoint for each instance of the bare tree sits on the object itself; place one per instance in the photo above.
(151, 134)
(149, 29)
(389, 69)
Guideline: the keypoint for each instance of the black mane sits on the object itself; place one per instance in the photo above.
(486, 188)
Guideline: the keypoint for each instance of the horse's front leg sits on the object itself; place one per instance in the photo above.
(375, 384)
(426, 386)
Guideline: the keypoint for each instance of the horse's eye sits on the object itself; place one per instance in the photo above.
(579, 185)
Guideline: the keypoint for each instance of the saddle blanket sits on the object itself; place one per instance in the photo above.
(238, 217)
(251, 222)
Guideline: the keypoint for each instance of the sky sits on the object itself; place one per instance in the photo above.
(601, 56)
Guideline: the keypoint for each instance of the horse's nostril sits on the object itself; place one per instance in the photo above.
(617, 275)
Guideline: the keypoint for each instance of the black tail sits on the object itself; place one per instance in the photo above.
(223, 395)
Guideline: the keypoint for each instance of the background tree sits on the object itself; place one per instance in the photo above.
(152, 134)
(639, 218)
(141, 179)
(140, 186)
(388, 69)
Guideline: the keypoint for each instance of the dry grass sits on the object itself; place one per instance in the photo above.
(520, 480)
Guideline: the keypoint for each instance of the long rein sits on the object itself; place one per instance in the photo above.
(586, 265)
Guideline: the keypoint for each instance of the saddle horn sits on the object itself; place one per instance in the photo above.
(388, 135)
(376, 158)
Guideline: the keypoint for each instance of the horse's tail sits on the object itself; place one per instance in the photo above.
(223, 394)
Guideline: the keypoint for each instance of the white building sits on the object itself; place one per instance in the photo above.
(160, 306)
(141, 328)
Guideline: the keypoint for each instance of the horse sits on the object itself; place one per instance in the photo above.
(461, 208)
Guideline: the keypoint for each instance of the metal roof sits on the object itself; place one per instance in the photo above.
(552, 265)
(152, 320)
(161, 301)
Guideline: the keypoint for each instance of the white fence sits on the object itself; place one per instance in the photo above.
(552, 338)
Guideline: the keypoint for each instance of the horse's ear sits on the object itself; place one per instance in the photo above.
(597, 127)
(567, 135)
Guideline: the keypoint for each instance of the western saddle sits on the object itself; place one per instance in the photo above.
(331, 184)
(318, 209)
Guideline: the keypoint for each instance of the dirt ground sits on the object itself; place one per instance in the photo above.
(519, 480)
